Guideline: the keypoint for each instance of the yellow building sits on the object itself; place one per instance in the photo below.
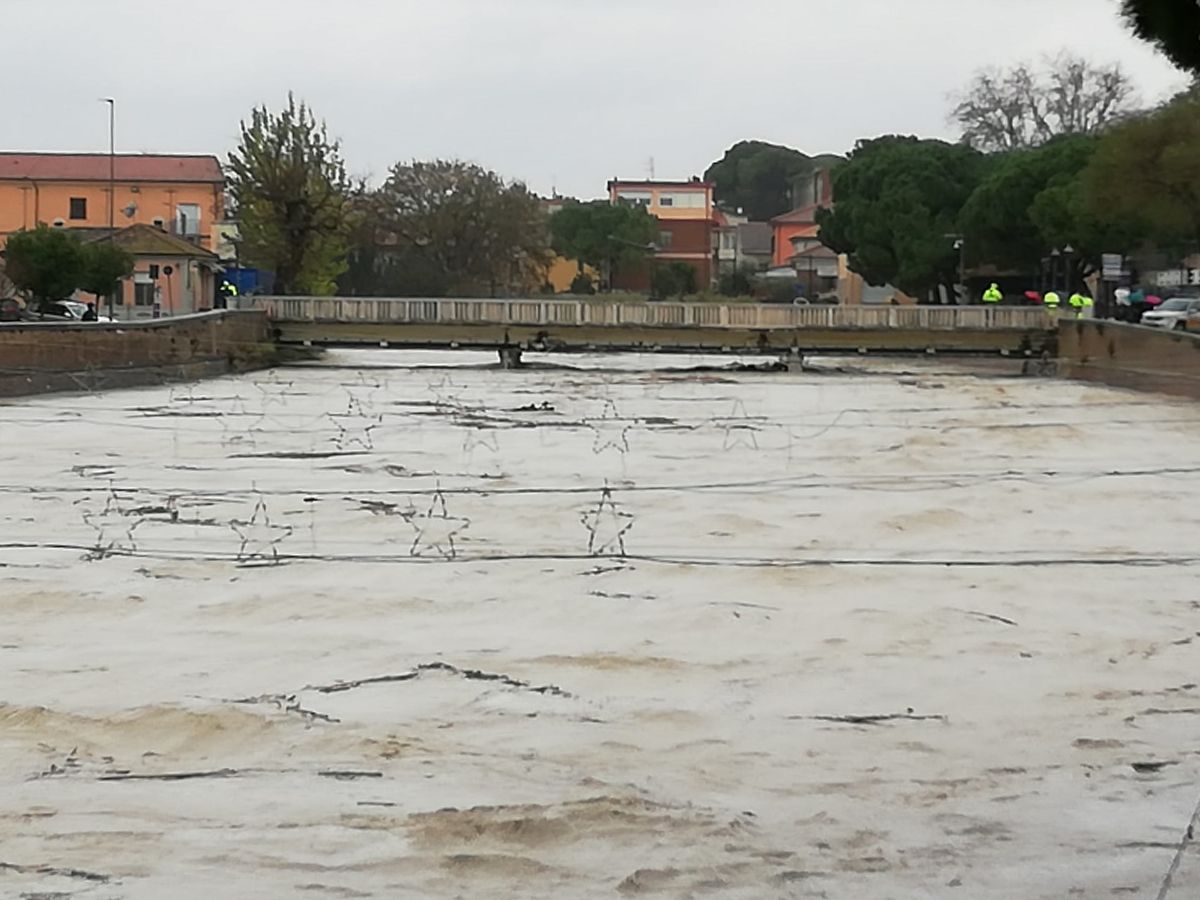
(562, 273)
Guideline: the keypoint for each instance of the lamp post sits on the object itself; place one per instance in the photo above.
(1068, 272)
(650, 249)
(960, 244)
(112, 181)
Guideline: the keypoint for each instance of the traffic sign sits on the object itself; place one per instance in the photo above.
(1177, 277)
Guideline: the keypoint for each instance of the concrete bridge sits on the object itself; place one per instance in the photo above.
(512, 326)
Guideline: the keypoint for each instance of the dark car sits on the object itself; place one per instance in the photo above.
(11, 309)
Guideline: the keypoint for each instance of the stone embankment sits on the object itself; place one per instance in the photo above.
(39, 357)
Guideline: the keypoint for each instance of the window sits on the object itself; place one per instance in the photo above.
(143, 294)
(635, 198)
(664, 239)
(682, 199)
(187, 219)
(153, 271)
(728, 240)
(79, 207)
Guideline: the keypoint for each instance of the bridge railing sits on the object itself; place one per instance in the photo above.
(533, 312)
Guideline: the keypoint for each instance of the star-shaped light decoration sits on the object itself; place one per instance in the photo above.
(260, 537)
(611, 432)
(360, 400)
(446, 392)
(436, 530)
(355, 429)
(236, 432)
(739, 428)
(268, 424)
(487, 438)
(183, 394)
(237, 405)
(272, 391)
(606, 526)
(114, 526)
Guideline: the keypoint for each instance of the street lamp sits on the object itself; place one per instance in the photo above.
(650, 248)
(960, 244)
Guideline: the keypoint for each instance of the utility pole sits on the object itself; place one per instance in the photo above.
(112, 182)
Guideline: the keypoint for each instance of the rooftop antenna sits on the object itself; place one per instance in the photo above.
(651, 166)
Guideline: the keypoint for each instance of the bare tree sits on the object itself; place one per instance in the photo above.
(1025, 106)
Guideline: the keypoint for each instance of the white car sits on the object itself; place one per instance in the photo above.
(1173, 313)
(68, 311)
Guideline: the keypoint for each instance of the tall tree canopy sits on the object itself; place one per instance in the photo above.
(1023, 106)
(1150, 169)
(1032, 201)
(756, 178)
(45, 263)
(898, 201)
(604, 235)
(462, 229)
(293, 198)
(1171, 25)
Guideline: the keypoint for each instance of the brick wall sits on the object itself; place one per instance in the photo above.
(235, 338)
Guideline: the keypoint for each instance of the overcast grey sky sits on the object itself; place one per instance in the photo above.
(559, 93)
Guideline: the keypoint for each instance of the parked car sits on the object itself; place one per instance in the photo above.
(11, 309)
(1173, 313)
(67, 311)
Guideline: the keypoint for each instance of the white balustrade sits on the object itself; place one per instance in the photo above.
(530, 312)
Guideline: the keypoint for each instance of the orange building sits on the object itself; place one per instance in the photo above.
(171, 275)
(181, 195)
(796, 231)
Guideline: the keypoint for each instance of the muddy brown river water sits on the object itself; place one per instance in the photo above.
(403, 626)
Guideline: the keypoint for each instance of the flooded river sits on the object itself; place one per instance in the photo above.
(404, 625)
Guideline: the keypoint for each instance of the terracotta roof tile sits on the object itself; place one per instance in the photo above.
(146, 240)
(802, 215)
(95, 167)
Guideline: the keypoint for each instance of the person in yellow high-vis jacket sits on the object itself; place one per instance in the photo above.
(1081, 304)
(993, 294)
(1051, 301)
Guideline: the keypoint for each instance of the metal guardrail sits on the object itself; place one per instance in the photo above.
(690, 315)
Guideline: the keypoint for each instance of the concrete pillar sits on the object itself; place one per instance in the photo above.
(794, 360)
(510, 356)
